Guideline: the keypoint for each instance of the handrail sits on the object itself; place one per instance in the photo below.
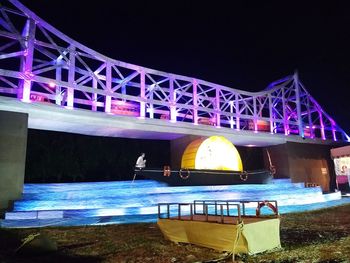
(218, 208)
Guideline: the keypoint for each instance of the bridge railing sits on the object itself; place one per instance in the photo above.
(39, 64)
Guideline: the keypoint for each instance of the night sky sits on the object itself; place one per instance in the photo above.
(240, 44)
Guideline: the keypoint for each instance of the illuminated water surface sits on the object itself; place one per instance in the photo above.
(134, 202)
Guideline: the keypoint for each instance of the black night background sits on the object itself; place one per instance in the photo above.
(241, 44)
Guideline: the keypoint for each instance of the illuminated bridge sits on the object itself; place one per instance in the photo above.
(65, 86)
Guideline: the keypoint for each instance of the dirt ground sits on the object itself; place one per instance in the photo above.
(318, 236)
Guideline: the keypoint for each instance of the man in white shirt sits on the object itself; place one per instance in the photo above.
(141, 163)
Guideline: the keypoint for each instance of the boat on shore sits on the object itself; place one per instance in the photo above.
(197, 177)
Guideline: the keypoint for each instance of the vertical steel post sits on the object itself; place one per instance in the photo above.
(255, 117)
(94, 95)
(151, 108)
(298, 103)
(323, 135)
(108, 99)
(172, 97)
(58, 97)
(285, 120)
(217, 107)
(195, 102)
(142, 93)
(238, 126)
(270, 113)
(27, 61)
(311, 125)
(71, 77)
(333, 133)
(231, 111)
(123, 91)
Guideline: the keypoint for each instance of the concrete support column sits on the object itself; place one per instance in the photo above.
(13, 146)
(302, 162)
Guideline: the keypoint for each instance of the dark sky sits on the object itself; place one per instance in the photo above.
(240, 44)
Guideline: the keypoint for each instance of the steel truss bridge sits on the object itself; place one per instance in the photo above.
(57, 81)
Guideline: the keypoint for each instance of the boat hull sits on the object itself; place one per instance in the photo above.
(193, 177)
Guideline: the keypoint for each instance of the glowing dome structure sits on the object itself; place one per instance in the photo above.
(213, 153)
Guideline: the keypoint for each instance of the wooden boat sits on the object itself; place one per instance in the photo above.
(209, 161)
(194, 177)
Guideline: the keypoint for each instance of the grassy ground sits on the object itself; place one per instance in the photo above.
(319, 236)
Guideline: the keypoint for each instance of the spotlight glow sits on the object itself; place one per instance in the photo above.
(213, 153)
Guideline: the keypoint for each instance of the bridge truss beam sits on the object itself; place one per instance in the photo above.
(39, 64)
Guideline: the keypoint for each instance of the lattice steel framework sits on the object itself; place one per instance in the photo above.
(39, 64)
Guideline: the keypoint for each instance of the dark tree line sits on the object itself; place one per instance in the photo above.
(65, 157)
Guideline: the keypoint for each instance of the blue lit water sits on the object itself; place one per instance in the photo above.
(134, 202)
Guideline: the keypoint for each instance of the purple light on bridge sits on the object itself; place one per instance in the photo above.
(333, 129)
(147, 93)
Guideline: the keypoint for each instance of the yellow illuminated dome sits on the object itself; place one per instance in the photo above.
(214, 153)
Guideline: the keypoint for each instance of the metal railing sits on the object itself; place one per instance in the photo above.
(225, 210)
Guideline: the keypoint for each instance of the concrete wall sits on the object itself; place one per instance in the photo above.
(279, 158)
(13, 145)
(309, 163)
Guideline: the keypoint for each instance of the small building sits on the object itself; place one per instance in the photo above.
(341, 158)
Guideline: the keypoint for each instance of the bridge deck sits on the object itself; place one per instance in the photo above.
(45, 116)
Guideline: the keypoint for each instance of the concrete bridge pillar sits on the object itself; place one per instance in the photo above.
(304, 162)
(13, 145)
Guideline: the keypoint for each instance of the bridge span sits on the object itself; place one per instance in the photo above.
(65, 86)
